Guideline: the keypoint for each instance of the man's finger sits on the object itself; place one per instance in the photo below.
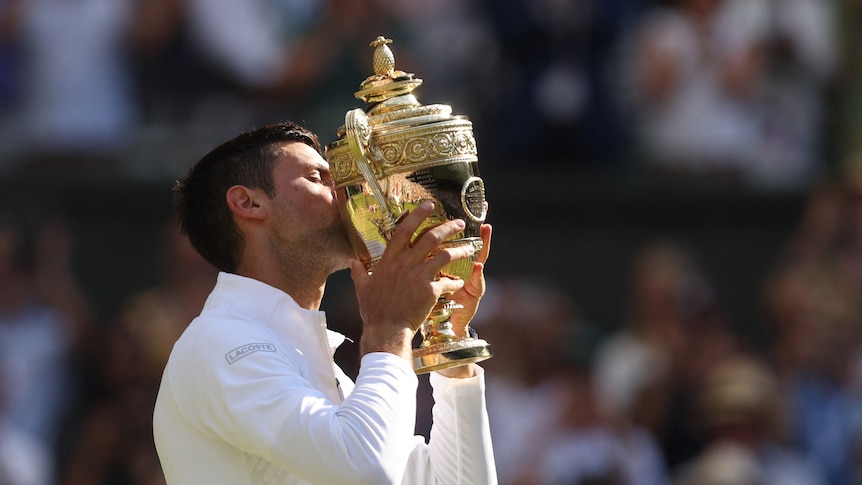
(485, 231)
(444, 286)
(401, 238)
(448, 255)
(429, 241)
(476, 286)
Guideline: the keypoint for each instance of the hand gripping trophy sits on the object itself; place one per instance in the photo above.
(387, 159)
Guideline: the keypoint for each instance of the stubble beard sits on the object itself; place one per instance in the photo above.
(316, 254)
(341, 249)
(323, 248)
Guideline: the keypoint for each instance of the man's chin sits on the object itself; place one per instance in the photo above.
(344, 243)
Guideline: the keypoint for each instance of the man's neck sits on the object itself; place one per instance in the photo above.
(305, 296)
(306, 290)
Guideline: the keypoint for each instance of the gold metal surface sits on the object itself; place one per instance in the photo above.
(389, 157)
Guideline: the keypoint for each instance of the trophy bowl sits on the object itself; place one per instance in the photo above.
(388, 158)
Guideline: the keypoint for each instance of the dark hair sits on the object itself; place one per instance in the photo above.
(199, 198)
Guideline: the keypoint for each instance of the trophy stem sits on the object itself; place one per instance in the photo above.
(437, 328)
(441, 348)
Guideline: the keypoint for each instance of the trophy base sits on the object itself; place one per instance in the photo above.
(450, 354)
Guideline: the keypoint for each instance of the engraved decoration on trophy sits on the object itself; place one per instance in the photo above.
(388, 158)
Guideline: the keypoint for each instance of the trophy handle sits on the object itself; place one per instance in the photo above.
(358, 134)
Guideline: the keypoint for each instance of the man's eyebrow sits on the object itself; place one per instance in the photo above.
(314, 164)
(320, 168)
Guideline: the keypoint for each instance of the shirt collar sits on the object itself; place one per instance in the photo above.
(263, 303)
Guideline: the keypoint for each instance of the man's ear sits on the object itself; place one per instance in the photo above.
(247, 203)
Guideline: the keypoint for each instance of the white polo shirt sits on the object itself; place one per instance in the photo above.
(251, 396)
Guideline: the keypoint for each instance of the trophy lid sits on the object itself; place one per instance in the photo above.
(386, 82)
(396, 132)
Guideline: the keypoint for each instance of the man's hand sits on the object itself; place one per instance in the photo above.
(398, 296)
(469, 296)
(474, 288)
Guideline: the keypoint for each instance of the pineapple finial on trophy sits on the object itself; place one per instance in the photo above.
(384, 60)
(386, 82)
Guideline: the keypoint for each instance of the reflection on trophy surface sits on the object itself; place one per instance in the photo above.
(388, 158)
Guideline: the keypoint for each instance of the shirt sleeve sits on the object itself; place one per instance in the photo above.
(460, 449)
(264, 406)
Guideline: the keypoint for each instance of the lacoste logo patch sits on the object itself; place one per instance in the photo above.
(247, 349)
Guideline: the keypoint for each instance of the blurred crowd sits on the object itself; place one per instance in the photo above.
(751, 91)
(763, 95)
(675, 394)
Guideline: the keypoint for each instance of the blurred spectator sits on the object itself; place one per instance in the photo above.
(645, 373)
(516, 317)
(23, 459)
(739, 412)
(553, 90)
(108, 439)
(8, 79)
(113, 440)
(536, 336)
(35, 343)
(77, 100)
(587, 446)
(156, 317)
(56, 282)
(344, 55)
(241, 49)
(697, 68)
(802, 59)
(846, 106)
(253, 42)
(815, 349)
(232, 64)
(814, 309)
(723, 464)
(735, 88)
(9, 76)
(547, 424)
(292, 49)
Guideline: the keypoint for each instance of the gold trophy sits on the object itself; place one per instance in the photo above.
(388, 158)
